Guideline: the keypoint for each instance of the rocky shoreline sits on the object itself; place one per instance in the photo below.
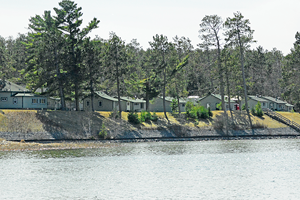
(157, 135)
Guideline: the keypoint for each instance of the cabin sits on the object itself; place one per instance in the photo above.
(275, 103)
(14, 96)
(133, 105)
(253, 100)
(102, 102)
(212, 100)
(157, 104)
(53, 103)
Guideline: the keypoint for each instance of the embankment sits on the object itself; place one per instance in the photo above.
(60, 125)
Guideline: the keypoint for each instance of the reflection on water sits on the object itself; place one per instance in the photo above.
(242, 169)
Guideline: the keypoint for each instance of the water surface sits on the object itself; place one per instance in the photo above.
(241, 169)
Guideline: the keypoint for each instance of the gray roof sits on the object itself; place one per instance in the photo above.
(275, 100)
(133, 100)
(219, 97)
(9, 86)
(255, 98)
(181, 100)
(105, 96)
(21, 94)
(289, 105)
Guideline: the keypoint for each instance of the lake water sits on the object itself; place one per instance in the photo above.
(240, 169)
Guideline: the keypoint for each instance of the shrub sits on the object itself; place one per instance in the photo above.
(114, 114)
(258, 125)
(218, 122)
(133, 118)
(253, 111)
(148, 116)
(192, 113)
(209, 112)
(103, 132)
(174, 105)
(243, 107)
(292, 111)
(202, 112)
(143, 116)
(258, 110)
(219, 106)
(198, 112)
(188, 106)
(154, 117)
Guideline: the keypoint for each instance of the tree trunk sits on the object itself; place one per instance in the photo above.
(147, 101)
(222, 85)
(77, 96)
(244, 80)
(118, 88)
(164, 95)
(177, 91)
(92, 93)
(61, 89)
(228, 92)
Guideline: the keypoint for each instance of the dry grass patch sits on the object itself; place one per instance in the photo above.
(21, 121)
(268, 122)
(291, 116)
(24, 146)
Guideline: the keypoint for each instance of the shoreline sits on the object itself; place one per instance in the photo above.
(72, 144)
(156, 139)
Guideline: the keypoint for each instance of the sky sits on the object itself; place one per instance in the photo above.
(275, 22)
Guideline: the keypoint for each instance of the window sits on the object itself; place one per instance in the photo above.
(87, 103)
(142, 105)
(3, 98)
(100, 103)
(264, 104)
(34, 101)
(42, 101)
(183, 105)
(15, 100)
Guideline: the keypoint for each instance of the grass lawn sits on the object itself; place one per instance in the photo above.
(291, 116)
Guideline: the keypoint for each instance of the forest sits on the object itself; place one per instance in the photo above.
(58, 55)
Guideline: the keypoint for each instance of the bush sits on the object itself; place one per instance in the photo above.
(133, 118)
(253, 111)
(198, 112)
(143, 116)
(258, 110)
(114, 114)
(219, 106)
(193, 113)
(148, 116)
(202, 113)
(154, 117)
(103, 132)
(259, 125)
(243, 107)
(174, 105)
(209, 112)
(188, 107)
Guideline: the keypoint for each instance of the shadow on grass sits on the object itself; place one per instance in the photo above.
(70, 124)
